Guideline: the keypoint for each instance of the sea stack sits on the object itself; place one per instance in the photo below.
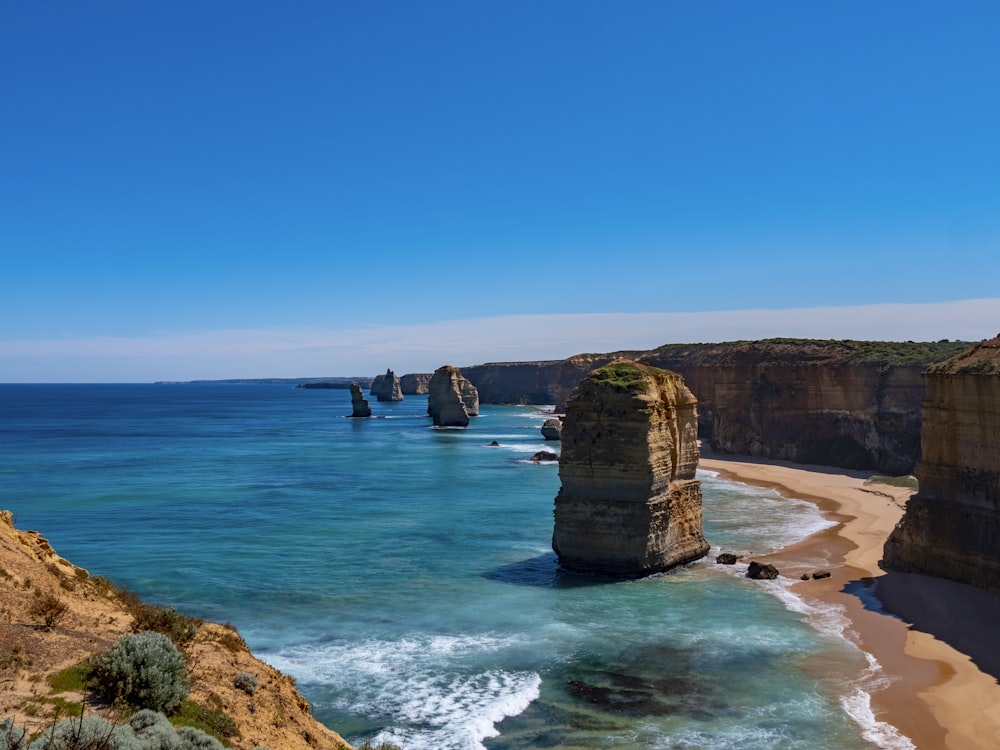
(629, 502)
(359, 404)
(451, 399)
(386, 387)
(951, 527)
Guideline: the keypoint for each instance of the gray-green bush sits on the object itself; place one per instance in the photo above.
(11, 737)
(144, 670)
(246, 682)
(145, 730)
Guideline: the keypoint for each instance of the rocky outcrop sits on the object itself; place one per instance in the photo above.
(951, 527)
(552, 429)
(359, 404)
(629, 502)
(95, 615)
(415, 383)
(451, 399)
(853, 404)
(386, 387)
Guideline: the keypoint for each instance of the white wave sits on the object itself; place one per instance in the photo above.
(858, 706)
(433, 691)
(832, 620)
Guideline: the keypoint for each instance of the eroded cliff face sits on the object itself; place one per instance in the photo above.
(415, 383)
(838, 403)
(451, 399)
(951, 527)
(629, 502)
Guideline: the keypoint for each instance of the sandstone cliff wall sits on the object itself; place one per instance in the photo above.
(951, 527)
(415, 383)
(629, 503)
(838, 403)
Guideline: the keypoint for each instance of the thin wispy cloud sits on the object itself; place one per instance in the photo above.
(309, 352)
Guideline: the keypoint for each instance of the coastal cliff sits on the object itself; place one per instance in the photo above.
(951, 527)
(95, 615)
(415, 383)
(629, 502)
(852, 404)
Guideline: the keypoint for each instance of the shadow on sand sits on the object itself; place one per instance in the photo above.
(963, 616)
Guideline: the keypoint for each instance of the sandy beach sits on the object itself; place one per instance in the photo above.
(932, 637)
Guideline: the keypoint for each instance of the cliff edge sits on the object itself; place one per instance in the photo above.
(951, 527)
(95, 616)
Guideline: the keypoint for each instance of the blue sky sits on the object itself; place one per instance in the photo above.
(246, 189)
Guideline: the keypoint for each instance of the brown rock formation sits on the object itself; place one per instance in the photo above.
(552, 429)
(451, 399)
(415, 383)
(951, 527)
(629, 502)
(386, 387)
(359, 404)
(275, 716)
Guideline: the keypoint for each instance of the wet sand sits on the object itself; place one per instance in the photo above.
(934, 639)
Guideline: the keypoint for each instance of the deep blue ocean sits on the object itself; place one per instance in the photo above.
(404, 575)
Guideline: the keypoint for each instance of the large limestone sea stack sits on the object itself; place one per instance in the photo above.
(629, 502)
(951, 527)
(451, 399)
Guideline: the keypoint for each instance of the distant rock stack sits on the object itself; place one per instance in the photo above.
(386, 387)
(951, 527)
(451, 399)
(359, 404)
(629, 502)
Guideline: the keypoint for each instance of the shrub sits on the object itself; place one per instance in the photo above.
(146, 730)
(246, 682)
(12, 737)
(48, 608)
(181, 629)
(84, 733)
(195, 739)
(211, 721)
(144, 670)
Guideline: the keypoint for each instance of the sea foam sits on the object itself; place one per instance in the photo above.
(428, 691)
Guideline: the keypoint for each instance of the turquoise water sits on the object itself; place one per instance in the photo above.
(404, 576)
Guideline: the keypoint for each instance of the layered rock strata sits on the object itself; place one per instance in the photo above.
(854, 404)
(415, 383)
(629, 502)
(359, 404)
(951, 527)
(386, 387)
(451, 399)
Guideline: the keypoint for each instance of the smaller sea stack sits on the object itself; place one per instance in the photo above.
(451, 399)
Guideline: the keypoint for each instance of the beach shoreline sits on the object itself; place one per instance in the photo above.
(933, 693)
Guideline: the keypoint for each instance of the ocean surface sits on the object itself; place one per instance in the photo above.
(404, 575)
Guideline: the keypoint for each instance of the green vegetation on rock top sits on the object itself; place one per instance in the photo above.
(622, 376)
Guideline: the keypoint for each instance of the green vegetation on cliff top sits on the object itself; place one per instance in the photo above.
(802, 351)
